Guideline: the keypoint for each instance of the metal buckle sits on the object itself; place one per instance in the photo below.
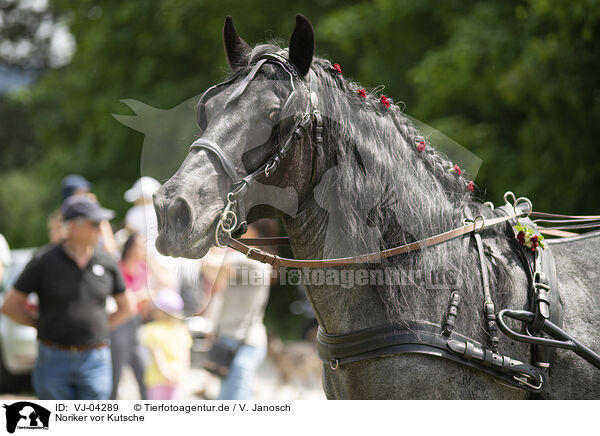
(538, 284)
(334, 364)
(270, 167)
(524, 379)
(251, 250)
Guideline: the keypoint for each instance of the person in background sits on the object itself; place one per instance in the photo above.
(245, 286)
(5, 257)
(124, 344)
(141, 218)
(71, 185)
(74, 184)
(165, 272)
(169, 343)
(57, 231)
(72, 280)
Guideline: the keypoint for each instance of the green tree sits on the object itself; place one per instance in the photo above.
(517, 83)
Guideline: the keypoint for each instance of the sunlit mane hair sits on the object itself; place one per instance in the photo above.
(416, 194)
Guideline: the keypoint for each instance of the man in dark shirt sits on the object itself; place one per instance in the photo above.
(72, 280)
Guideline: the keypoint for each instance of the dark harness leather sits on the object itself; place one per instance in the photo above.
(542, 325)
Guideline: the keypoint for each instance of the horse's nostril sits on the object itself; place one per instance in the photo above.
(178, 214)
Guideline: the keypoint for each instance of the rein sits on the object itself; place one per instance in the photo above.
(262, 256)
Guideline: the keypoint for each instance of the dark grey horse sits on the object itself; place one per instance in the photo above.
(369, 185)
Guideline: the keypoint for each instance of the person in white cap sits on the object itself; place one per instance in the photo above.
(141, 218)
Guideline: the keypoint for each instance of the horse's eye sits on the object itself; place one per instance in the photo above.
(273, 115)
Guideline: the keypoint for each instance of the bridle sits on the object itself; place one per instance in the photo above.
(232, 217)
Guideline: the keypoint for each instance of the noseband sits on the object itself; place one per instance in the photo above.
(233, 215)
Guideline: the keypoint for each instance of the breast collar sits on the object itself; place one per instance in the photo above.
(232, 218)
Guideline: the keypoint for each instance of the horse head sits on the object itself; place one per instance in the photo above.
(245, 121)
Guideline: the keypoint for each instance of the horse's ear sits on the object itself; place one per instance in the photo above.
(236, 49)
(302, 45)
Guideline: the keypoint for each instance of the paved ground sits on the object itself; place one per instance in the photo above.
(267, 386)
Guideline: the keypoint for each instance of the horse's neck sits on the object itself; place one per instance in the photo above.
(348, 299)
(352, 304)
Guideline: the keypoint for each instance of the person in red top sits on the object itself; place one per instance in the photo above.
(125, 347)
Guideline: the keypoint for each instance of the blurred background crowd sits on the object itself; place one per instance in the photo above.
(179, 308)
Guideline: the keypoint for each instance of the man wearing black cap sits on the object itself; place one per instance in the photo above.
(72, 280)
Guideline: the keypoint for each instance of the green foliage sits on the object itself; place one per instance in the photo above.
(519, 80)
(514, 82)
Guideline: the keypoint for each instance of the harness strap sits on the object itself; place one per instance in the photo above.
(489, 308)
(207, 144)
(422, 337)
(276, 261)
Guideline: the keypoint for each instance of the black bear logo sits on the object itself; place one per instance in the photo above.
(26, 414)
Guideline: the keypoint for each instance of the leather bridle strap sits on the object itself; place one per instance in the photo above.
(276, 261)
(206, 144)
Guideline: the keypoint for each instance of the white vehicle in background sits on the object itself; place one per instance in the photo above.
(18, 345)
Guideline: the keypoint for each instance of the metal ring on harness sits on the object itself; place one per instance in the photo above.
(482, 219)
(227, 223)
(230, 216)
(218, 231)
(523, 200)
(270, 167)
(510, 194)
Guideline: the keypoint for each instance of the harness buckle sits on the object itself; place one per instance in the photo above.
(252, 250)
(270, 167)
(526, 380)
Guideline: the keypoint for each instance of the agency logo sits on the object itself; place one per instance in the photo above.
(26, 415)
